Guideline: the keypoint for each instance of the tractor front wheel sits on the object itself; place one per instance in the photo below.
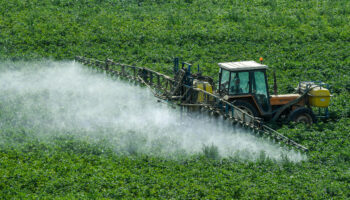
(302, 115)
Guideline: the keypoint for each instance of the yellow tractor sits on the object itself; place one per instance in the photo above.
(245, 85)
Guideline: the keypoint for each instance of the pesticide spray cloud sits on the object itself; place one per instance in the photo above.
(67, 97)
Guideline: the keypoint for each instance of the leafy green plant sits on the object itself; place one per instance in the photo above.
(211, 152)
(301, 40)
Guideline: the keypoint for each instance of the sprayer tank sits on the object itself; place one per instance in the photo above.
(319, 97)
(203, 85)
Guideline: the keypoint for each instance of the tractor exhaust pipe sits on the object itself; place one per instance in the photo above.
(274, 82)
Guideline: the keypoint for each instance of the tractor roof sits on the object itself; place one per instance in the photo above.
(243, 65)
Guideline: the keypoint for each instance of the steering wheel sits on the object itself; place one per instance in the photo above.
(223, 87)
(224, 84)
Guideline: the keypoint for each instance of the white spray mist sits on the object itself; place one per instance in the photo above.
(68, 97)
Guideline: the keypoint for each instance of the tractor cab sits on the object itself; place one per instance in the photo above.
(245, 84)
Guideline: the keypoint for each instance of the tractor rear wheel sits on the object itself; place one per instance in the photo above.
(247, 108)
(302, 115)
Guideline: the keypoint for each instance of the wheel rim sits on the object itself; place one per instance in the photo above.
(305, 118)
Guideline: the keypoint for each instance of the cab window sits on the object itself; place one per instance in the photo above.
(225, 79)
(259, 89)
(239, 83)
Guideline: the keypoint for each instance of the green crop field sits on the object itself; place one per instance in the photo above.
(299, 39)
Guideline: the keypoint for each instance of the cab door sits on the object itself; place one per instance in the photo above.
(260, 90)
(239, 84)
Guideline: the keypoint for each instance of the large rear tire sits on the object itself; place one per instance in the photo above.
(247, 108)
(302, 115)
